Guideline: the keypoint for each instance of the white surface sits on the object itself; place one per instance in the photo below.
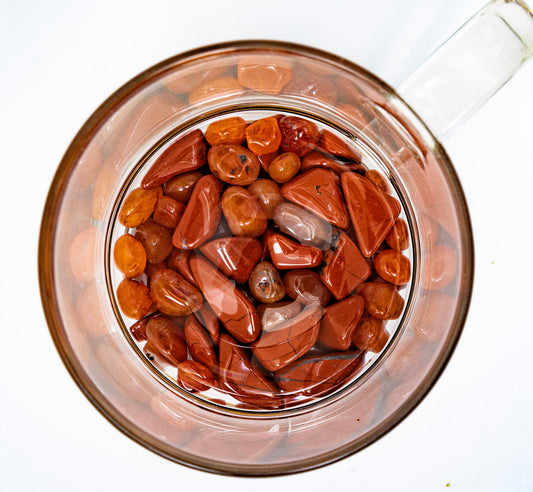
(59, 61)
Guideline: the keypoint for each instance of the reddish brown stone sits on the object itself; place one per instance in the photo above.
(334, 145)
(398, 237)
(344, 268)
(180, 187)
(318, 191)
(233, 164)
(200, 344)
(179, 260)
(382, 300)
(317, 159)
(284, 167)
(244, 214)
(339, 322)
(306, 84)
(185, 154)
(319, 375)
(298, 135)
(372, 212)
(271, 315)
(265, 283)
(287, 254)
(370, 334)
(165, 339)
(209, 321)
(266, 159)
(193, 376)
(156, 240)
(201, 216)
(173, 295)
(290, 340)
(305, 286)
(244, 380)
(168, 211)
(393, 267)
(268, 195)
(229, 304)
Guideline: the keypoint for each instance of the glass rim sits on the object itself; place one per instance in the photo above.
(57, 327)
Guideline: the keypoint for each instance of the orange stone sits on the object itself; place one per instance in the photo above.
(226, 131)
(373, 212)
(344, 267)
(243, 212)
(235, 256)
(201, 215)
(287, 254)
(370, 334)
(263, 136)
(339, 322)
(165, 339)
(318, 191)
(229, 304)
(209, 321)
(185, 154)
(178, 260)
(193, 376)
(393, 267)
(382, 300)
(290, 340)
(233, 164)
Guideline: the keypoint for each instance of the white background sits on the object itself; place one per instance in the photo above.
(60, 60)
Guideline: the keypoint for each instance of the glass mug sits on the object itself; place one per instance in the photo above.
(111, 154)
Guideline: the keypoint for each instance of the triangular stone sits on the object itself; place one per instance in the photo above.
(287, 254)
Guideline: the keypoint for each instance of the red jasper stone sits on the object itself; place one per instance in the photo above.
(287, 254)
(193, 376)
(298, 135)
(382, 300)
(318, 191)
(179, 260)
(339, 322)
(318, 375)
(201, 216)
(334, 145)
(305, 286)
(168, 211)
(372, 212)
(229, 304)
(200, 344)
(244, 380)
(398, 236)
(344, 267)
(290, 340)
(235, 256)
(209, 321)
(370, 334)
(166, 340)
(185, 154)
(317, 159)
(173, 295)
(271, 315)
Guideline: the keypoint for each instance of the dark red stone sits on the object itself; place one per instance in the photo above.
(193, 376)
(339, 322)
(298, 135)
(179, 260)
(287, 254)
(200, 344)
(209, 321)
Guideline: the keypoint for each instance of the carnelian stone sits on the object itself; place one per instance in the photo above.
(265, 283)
(302, 225)
(200, 344)
(393, 267)
(209, 321)
(268, 195)
(242, 379)
(317, 159)
(264, 73)
(129, 256)
(180, 187)
(372, 212)
(382, 300)
(235, 256)
(173, 295)
(344, 267)
(138, 206)
(226, 131)
(398, 237)
(185, 154)
(339, 322)
(193, 376)
(168, 211)
(201, 216)
(165, 338)
(319, 375)
(290, 340)
(179, 260)
(370, 334)
(332, 144)
(229, 304)
(284, 167)
(233, 164)
(298, 135)
(133, 298)
(156, 240)
(287, 254)
(305, 286)
(263, 136)
(244, 214)
(318, 191)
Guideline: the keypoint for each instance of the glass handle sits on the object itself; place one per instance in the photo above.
(464, 73)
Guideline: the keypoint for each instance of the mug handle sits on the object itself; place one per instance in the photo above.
(471, 66)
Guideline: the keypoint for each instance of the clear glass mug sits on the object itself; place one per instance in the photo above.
(110, 154)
